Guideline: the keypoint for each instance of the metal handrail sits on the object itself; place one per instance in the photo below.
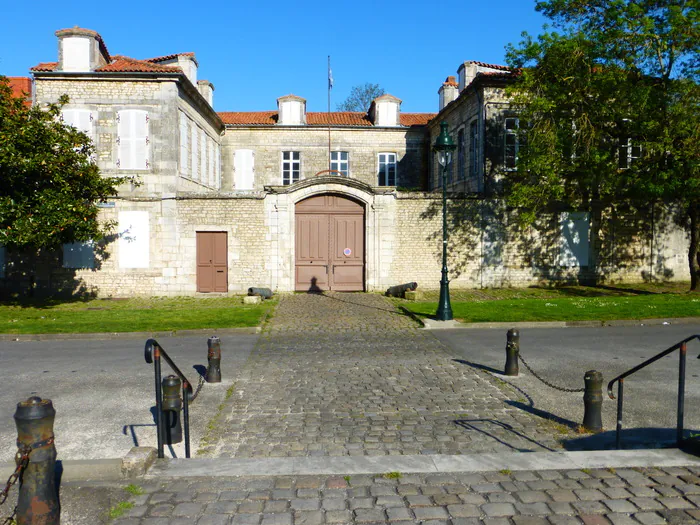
(681, 345)
(153, 352)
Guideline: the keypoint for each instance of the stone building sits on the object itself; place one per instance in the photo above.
(297, 200)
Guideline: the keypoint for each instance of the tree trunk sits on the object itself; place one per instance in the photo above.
(693, 255)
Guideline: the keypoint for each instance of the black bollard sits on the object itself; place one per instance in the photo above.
(512, 351)
(38, 499)
(172, 406)
(214, 357)
(593, 401)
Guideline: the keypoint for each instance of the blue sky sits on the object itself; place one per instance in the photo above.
(254, 52)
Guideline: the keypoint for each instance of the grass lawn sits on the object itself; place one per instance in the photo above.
(571, 303)
(129, 315)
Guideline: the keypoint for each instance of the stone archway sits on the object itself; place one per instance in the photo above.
(329, 244)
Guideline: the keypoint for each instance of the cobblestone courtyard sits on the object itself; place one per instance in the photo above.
(346, 374)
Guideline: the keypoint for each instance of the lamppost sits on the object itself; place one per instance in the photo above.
(444, 148)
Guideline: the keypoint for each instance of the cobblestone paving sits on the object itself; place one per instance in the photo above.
(591, 497)
(346, 374)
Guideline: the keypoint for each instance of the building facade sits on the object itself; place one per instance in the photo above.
(297, 200)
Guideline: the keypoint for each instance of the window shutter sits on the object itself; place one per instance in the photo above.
(218, 166)
(195, 151)
(243, 162)
(184, 145)
(203, 156)
(125, 140)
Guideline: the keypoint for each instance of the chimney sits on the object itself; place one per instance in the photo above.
(384, 111)
(206, 89)
(81, 50)
(448, 92)
(292, 110)
(467, 72)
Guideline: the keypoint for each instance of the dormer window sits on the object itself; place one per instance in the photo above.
(292, 110)
(384, 111)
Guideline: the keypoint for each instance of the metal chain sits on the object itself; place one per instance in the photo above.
(198, 389)
(22, 460)
(555, 387)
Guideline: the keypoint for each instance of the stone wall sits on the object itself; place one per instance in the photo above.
(363, 145)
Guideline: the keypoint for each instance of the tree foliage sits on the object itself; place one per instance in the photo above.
(50, 185)
(361, 97)
(609, 107)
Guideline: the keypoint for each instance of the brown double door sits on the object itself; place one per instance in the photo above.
(212, 262)
(330, 244)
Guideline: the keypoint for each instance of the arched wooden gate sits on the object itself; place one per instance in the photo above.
(329, 244)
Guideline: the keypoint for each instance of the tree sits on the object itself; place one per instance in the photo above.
(610, 110)
(50, 185)
(360, 97)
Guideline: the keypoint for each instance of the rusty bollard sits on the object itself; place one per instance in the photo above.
(172, 406)
(593, 401)
(214, 356)
(512, 351)
(38, 499)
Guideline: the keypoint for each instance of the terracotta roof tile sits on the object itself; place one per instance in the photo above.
(131, 65)
(337, 118)
(22, 88)
(490, 66)
(169, 57)
(45, 66)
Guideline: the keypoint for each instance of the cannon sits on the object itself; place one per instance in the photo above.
(265, 293)
(401, 289)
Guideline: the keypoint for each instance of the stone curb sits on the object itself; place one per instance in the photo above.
(129, 335)
(345, 465)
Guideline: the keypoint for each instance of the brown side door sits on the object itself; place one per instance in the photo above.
(212, 262)
(329, 244)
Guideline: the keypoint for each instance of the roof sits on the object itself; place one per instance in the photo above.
(119, 64)
(169, 57)
(337, 118)
(22, 88)
(490, 66)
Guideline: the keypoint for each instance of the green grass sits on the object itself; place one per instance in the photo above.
(134, 490)
(572, 303)
(119, 509)
(129, 315)
(568, 309)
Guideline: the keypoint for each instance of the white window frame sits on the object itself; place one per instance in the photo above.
(510, 133)
(385, 161)
(128, 140)
(291, 165)
(339, 163)
(628, 153)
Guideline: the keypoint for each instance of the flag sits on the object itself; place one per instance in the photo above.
(330, 74)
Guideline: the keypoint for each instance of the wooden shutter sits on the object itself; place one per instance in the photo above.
(243, 166)
(134, 147)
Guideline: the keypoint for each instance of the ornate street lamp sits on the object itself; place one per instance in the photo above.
(444, 148)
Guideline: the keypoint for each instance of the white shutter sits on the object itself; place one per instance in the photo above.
(210, 166)
(141, 140)
(573, 248)
(133, 239)
(125, 140)
(203, 156)
(243, 164)
(195, 151)
(184, 145)
(81, 119)
(218, 166)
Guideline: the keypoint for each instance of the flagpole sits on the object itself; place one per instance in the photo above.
(330, 86)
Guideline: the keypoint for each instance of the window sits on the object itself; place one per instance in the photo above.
(79, 255)
(133, 239)
(291, 167)
(243, 169)
(627, 154)
(195, 152)
(510, 151)
(461, 146)
(387, 169)
(81, 119)
(473, 150)
(203, 157)
(184, 145)
(132, 140)
(339, 162)
(210, 156)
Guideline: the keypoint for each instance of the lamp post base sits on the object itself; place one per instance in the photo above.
(444, 311)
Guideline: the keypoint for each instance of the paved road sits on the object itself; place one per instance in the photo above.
(103, 391)
(563, 355)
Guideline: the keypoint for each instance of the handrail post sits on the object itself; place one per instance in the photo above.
(618, 437)
(681, 394)
(186, 414)
(159, 400)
